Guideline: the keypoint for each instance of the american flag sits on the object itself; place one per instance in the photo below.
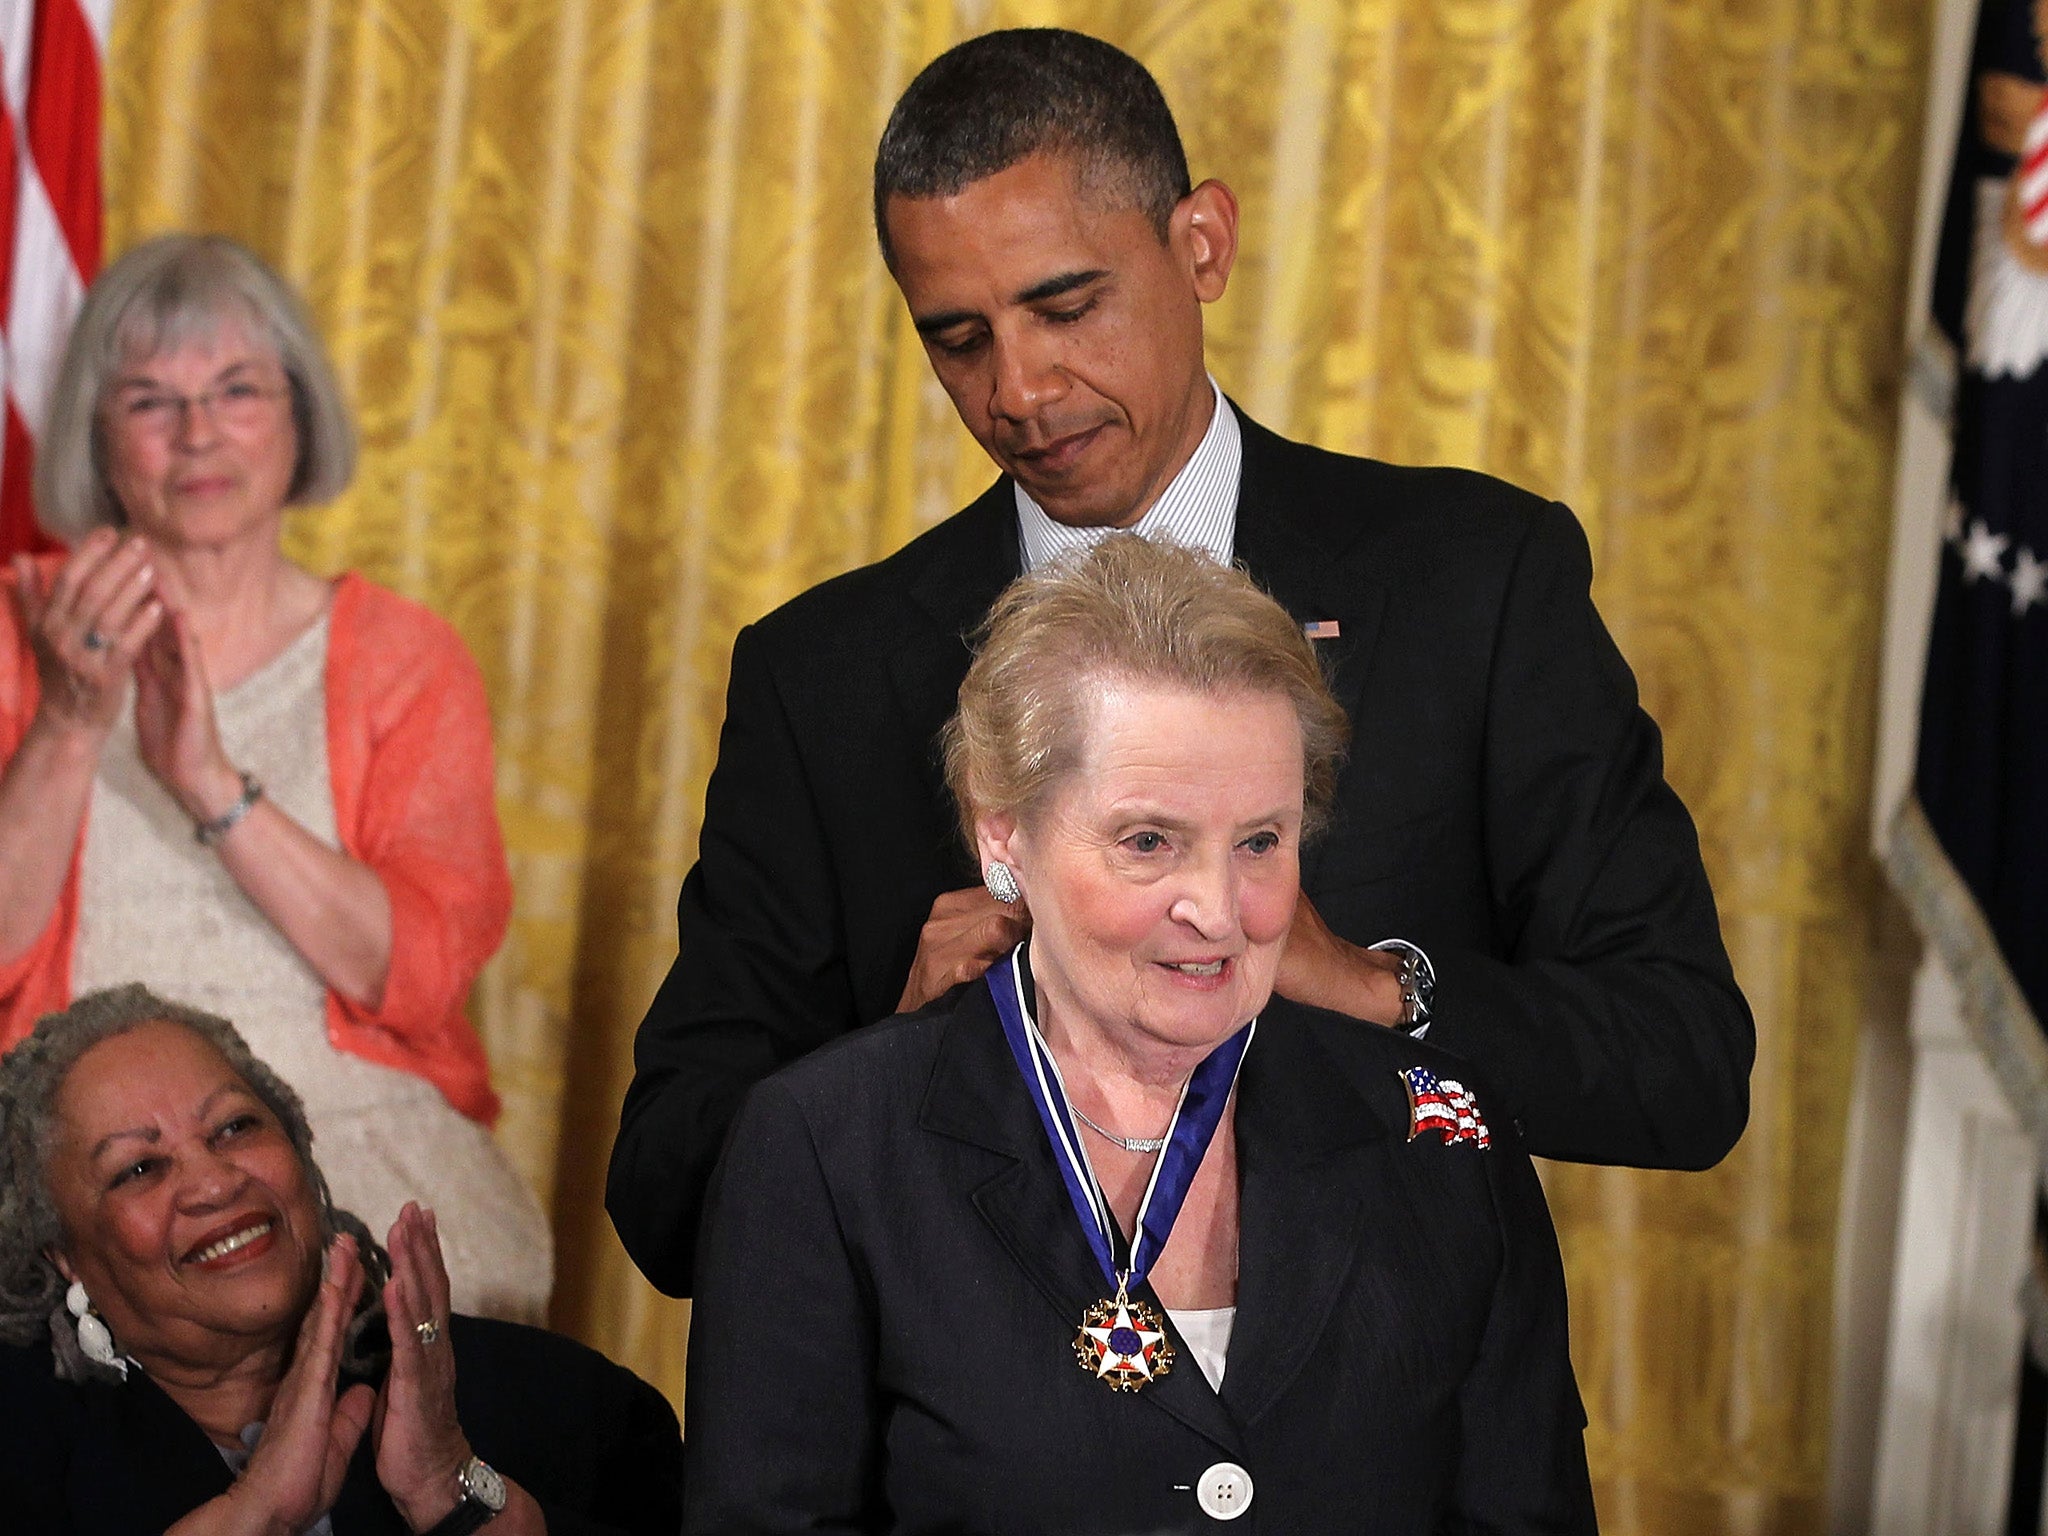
(50, 67)
(1443, 1105)
(1969, 850)
(1982, 774)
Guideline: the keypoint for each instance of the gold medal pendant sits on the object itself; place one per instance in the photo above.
(1124, 1343)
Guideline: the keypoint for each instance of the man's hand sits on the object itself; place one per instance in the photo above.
(1324, 971)
(2006, 103)
(968, 932)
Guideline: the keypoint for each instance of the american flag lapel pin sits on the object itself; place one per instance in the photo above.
(1322, 629)
(1444, 1106)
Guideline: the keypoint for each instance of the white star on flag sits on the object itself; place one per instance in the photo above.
(1984, 552)
(2029, 583)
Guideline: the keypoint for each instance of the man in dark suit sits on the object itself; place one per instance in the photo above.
(1504, 807)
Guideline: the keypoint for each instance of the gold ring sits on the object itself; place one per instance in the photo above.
(428, 1331)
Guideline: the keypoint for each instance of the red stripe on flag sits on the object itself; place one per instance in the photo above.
(64, 125)
(2032, 161)
(18, 528)
(54, 144)
(10, 194)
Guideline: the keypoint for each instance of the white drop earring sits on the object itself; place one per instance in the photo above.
(95, 1341)
(1001, 882)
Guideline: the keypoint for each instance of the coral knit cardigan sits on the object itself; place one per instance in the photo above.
(409, 754)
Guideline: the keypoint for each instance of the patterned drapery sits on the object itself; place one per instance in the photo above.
(599, 277)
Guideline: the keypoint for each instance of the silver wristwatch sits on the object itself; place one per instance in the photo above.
(1418, 984)
(483, 1499)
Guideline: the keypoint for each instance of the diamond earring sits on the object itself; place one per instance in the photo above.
(1001, 883)
(95, 1341)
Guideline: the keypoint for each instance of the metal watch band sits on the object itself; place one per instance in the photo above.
(1418, 983)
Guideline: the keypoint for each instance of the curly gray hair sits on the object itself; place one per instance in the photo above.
(31, 1287)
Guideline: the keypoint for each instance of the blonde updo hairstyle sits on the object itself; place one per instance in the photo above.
(1129, 611)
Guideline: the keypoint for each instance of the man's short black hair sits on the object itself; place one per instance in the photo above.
(987, 103)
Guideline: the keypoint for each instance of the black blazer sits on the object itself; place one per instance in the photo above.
(891, 1277)
(1504, 806)
(595, 1445)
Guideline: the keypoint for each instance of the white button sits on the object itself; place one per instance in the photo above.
(1224, 1491)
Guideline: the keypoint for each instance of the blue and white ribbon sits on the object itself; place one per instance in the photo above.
(1203, 1098)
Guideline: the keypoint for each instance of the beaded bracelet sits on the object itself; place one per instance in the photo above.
(210, 832)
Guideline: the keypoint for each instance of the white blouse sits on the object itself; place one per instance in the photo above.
(1206, 1332)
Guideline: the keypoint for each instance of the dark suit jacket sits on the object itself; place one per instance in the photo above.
(597, 1446)
(892, 1275)
(1504, 806)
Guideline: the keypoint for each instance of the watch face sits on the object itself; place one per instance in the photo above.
(484, 1485)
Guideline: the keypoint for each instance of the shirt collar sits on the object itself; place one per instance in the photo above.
(1197, 510)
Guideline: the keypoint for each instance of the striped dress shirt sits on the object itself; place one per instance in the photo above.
(1197, 510)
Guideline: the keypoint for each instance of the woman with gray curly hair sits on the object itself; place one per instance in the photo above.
(194, 1339)
(256, 789)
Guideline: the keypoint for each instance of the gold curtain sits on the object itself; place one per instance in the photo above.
(599, 277)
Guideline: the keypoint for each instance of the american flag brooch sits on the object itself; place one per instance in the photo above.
(1444, 1106)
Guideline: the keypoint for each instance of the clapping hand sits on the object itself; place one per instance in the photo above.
(87, 623)
(420, 1445)
(175, 730)
(296, 1472)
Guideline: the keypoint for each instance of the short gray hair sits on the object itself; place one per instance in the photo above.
(161, 294)
(31, 1075)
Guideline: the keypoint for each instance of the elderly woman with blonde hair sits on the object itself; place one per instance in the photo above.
(259, 790)
(1114, 1239)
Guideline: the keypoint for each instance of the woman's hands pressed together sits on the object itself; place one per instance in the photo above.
(175, 729)
(87, 623)
(421, 1448)
(420, 1444)
(331, 907)
(296, 1472)
(101, 619)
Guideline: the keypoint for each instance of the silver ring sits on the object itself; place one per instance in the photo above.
(95, 641)
(428, 1331)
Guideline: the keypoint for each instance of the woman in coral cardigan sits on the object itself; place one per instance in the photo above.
(256, 790)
